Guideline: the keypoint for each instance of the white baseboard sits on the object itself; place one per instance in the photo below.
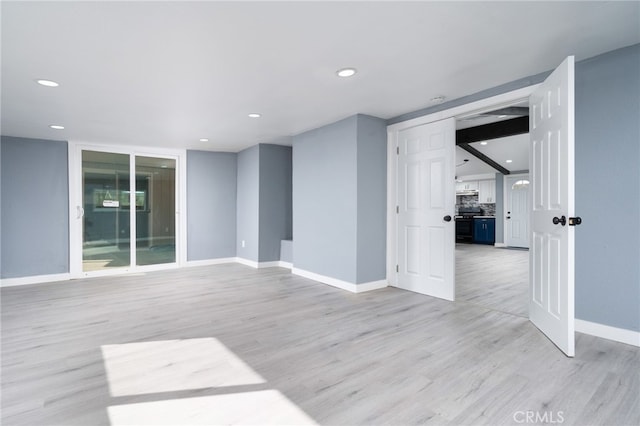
(500, 245)
(35, 279)
(208, 262)
(621, 335)
(273, 264)
(344, 285)
(247, 262)
(39, 279)
(260, 265)
(287, 265)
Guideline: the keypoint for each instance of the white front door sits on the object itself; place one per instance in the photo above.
(426, 203)
(551, 258)
(517, 211)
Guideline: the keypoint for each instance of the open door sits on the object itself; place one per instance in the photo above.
(426, 203)
(551, 258)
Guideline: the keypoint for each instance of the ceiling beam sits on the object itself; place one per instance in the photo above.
(471, 150)
(500, 129)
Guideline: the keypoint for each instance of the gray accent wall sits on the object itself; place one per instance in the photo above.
(286, 251)
(264, 201)
(275, 209)
(248, 204)
(607, 172)
(339, 199)
(34, 207)
(325, 200)
(211, 205)
(372, 199)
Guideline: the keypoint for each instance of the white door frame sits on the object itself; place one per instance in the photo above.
(487, 104)
(75, 200)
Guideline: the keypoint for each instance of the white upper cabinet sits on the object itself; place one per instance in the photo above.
(469, 186)
(487, 191)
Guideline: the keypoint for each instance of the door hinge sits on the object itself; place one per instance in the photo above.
(397, 209)
(397, 268)
(397, 150)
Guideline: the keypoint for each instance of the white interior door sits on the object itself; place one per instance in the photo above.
(551, 159)
(426, 203)
(517, 211)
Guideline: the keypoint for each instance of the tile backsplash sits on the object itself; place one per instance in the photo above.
(472, 201)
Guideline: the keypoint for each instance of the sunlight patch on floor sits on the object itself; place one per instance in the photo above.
(267, 407)
(174, 365)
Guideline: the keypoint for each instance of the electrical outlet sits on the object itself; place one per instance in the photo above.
(243, 244)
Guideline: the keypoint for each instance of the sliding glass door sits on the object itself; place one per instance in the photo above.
(155, 210)
(127, 221)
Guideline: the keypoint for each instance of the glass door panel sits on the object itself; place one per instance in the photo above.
(155, 209)
(106, 221)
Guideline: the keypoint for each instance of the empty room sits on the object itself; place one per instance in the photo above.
(319, 213)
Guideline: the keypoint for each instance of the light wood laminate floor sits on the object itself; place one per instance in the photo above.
(495, 278)
(230, 344)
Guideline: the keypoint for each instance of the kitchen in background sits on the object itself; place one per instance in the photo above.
(475, 211)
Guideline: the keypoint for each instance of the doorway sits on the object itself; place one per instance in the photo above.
(516, 206)
(489, 272)
(126, 211)
(551, 283)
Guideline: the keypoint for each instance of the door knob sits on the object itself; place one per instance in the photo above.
(575, 221)
(562, 220)
(447, 218)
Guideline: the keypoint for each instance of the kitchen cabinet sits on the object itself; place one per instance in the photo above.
(484, 230)
(469, 186)
(487, 191)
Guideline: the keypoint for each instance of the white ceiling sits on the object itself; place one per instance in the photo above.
(514, 148)
(166, 74)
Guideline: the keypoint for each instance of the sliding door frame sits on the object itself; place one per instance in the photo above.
(76, 205)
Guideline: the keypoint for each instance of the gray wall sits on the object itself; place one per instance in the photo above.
(248, 203)
(339, 200)
(286, 251)
(211, 205)
(325, 200)
(607, 175)
(34, 207)
(275, 208)
(372, 199)
(607, 154)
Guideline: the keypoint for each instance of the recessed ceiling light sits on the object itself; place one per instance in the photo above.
(437, 99)
(204, 140)
(346, 72)
(254, 115)
(502, 116)
(47, 83)
(56, 127)
(509, 161)
(483, 143)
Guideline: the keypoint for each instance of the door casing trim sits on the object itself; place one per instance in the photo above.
(497, 101)
(75, 199)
